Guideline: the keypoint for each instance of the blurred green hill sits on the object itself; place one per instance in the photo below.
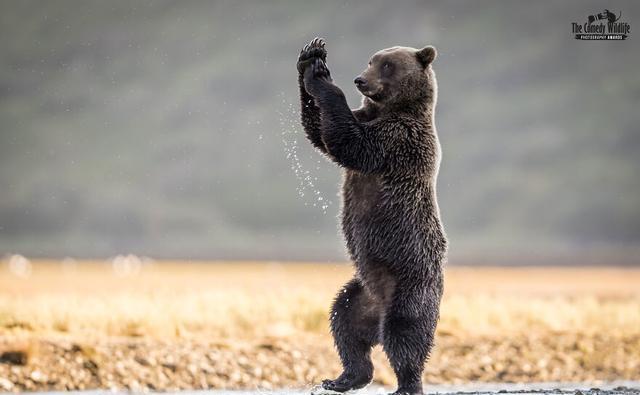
(159, 128)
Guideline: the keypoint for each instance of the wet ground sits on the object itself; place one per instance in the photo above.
(612, 388)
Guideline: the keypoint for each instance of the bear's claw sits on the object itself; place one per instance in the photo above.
(313, 50)
(320, 390)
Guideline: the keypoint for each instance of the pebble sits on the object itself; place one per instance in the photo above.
(6, 385)
(37, 376)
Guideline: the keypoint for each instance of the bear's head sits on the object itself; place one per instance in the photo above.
(399, 76)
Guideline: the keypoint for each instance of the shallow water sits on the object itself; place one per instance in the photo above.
(609, 388)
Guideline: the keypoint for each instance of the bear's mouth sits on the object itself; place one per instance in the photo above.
(376, 96)
(373, 95)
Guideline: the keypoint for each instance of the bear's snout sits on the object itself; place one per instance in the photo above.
(360, 82)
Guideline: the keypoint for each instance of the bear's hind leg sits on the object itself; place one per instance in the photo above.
(355, 325)
(408, 334)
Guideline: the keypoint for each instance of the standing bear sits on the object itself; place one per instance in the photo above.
(390, 154)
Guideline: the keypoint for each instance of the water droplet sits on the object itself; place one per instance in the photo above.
(290, 130)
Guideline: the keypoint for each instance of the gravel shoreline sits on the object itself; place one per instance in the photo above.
(144, 364)
(634, 389)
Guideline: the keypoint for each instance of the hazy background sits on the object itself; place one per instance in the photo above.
(170, 129)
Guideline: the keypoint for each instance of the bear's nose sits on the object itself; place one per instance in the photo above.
(359, 81)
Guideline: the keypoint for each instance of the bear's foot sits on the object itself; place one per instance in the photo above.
(413, 390)
(347, 382)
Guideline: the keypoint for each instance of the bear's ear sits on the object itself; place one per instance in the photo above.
(426, 55)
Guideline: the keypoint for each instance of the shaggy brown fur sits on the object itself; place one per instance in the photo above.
(390, 154)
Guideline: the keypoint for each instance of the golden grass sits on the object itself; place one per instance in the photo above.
(181, 325)
(236, 300)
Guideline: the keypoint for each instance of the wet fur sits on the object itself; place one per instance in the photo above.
(390, 154)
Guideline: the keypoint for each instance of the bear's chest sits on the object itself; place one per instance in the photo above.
(363, 194)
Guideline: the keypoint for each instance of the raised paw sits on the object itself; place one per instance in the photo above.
(320, 70)
(314, 50)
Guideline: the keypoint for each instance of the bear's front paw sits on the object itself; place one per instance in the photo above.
(320, 70)
(317, 79)
(314, 50)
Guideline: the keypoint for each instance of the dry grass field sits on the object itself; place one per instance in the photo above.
(174, 325)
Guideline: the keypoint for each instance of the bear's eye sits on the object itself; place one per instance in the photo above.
(387, 68)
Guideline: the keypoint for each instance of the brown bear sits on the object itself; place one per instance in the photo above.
(390, 154)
